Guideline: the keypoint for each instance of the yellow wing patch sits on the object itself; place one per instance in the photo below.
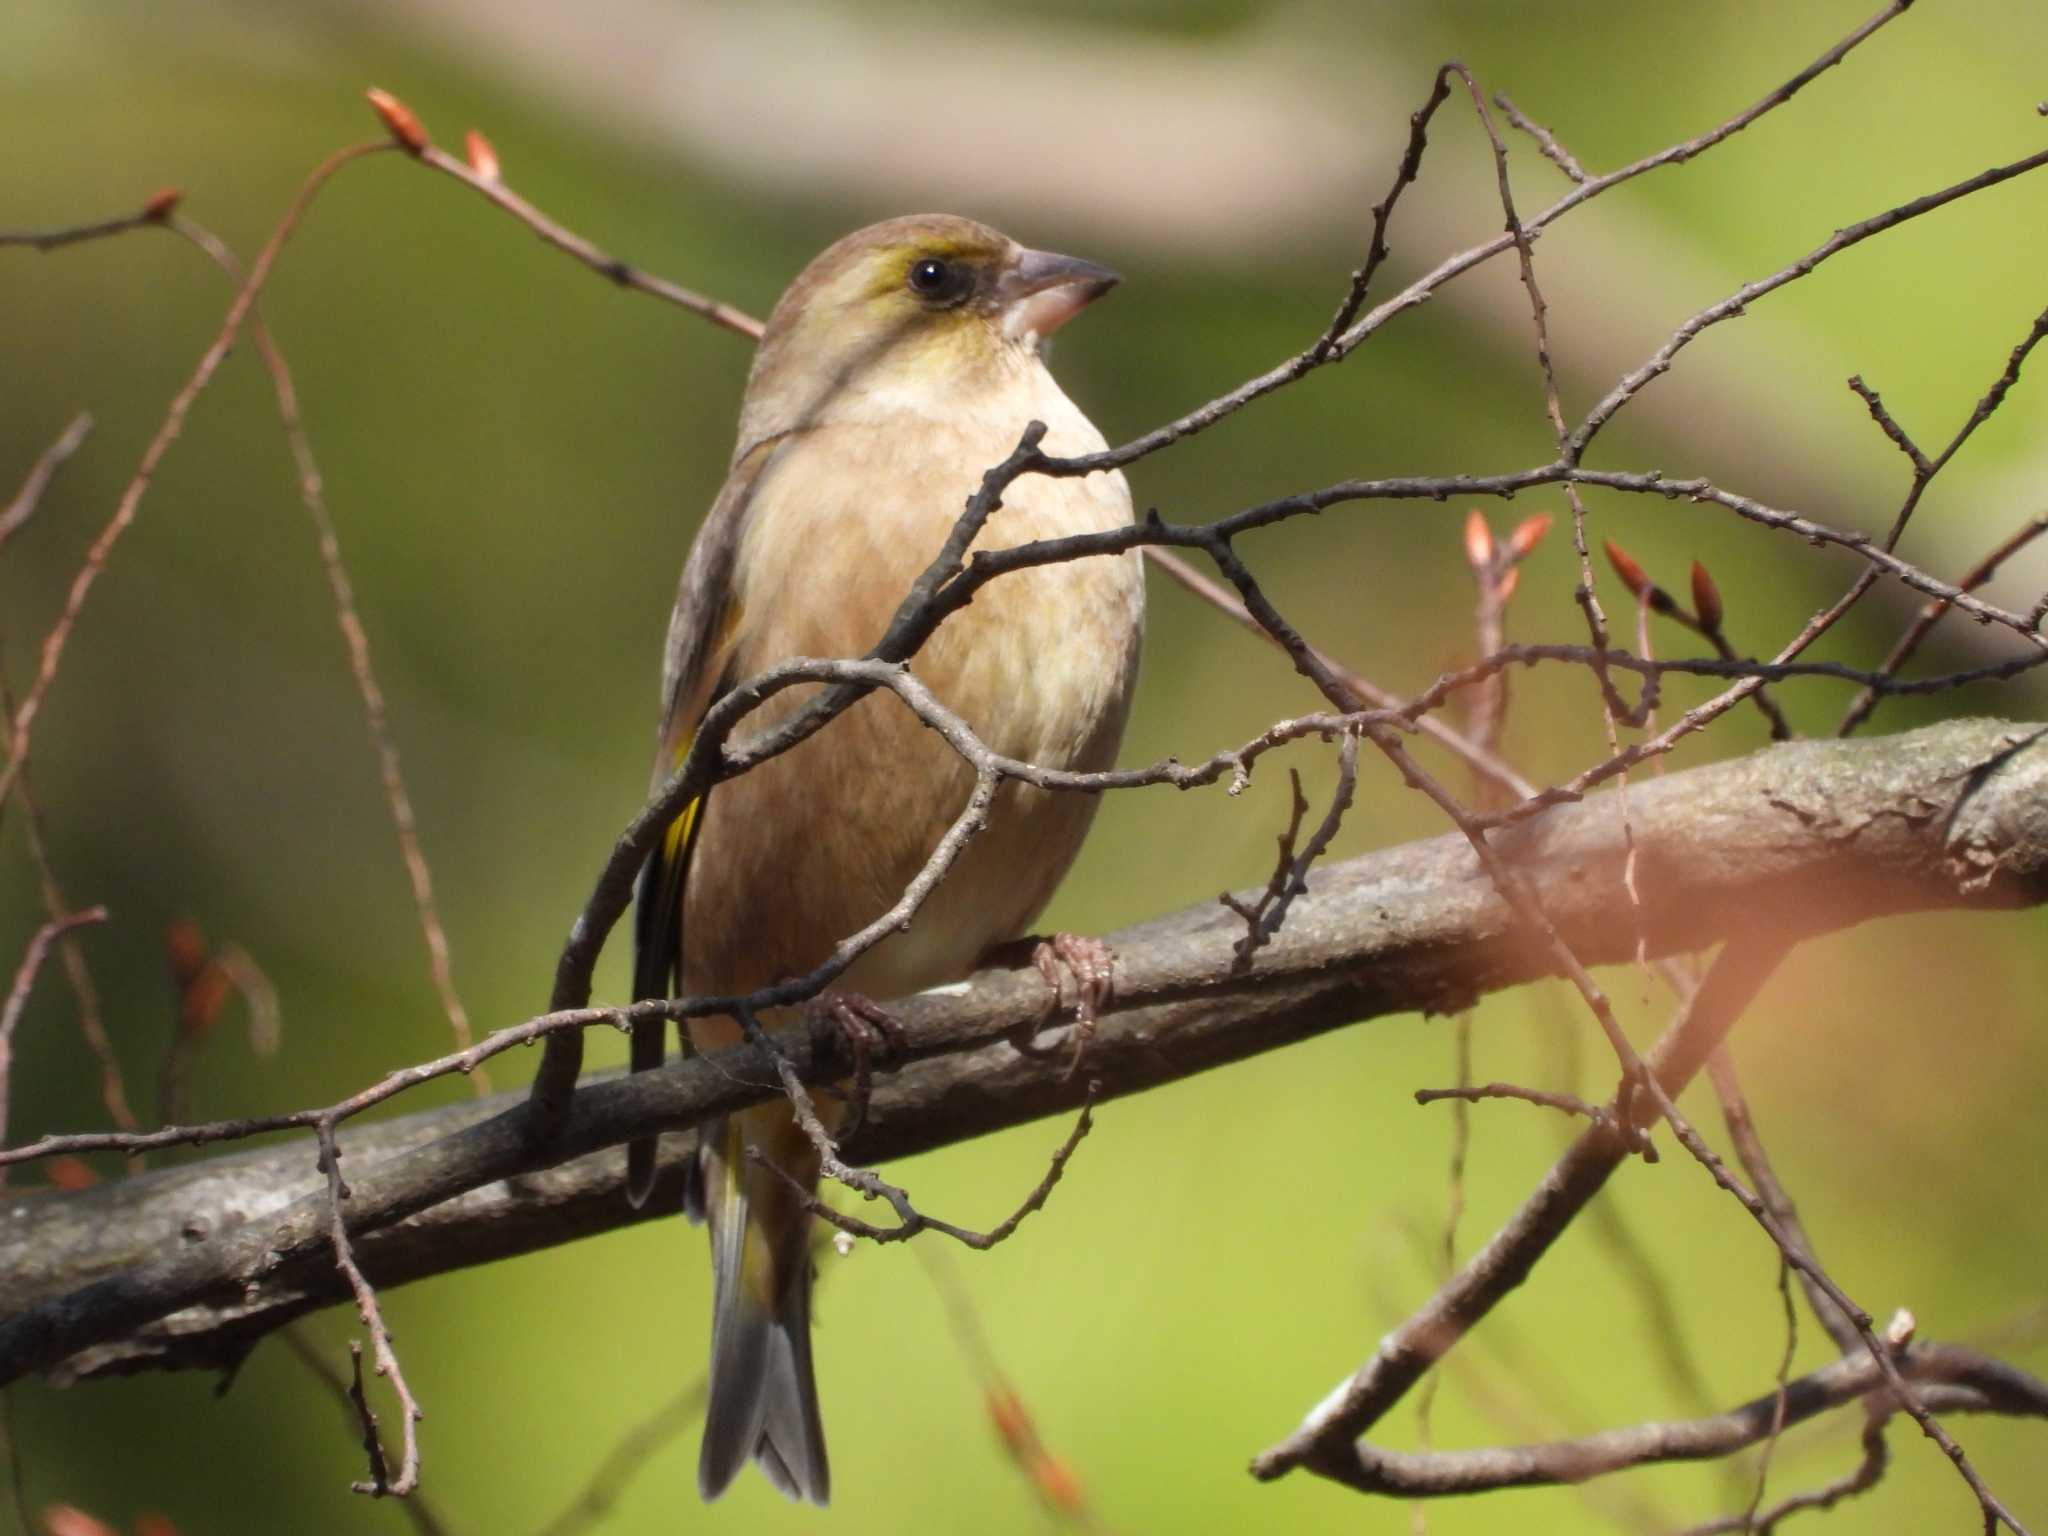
(680, 831)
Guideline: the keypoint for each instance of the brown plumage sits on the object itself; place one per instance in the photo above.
(902, 363)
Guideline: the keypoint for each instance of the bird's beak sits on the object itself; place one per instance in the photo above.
(1042, 291)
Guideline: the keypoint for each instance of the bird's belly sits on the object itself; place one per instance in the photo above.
(816, 844)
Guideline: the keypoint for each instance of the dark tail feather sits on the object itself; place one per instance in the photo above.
(764, 1398)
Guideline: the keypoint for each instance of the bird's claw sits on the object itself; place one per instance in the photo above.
(1092, 964)
(868, 1031)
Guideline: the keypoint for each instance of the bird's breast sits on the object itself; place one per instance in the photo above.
(1040, 665)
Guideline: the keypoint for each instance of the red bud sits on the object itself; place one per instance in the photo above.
(1506, 589)
(403, 123)
(1706, 599)
(1528, 534)
(1478, 540)
(483, 159)
(162, 203)
(1626, 568)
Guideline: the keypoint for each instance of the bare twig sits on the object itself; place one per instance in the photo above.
(1930, 615)
(1568, 1103)
(1961, 1380)
(909, 1219)
(1253, 912)
(385, 1360)
(1923, 467)
(1738, 302)
(1325, 1439)
(348, 1392)
(23, 507)
(24, 981)
(154, 211)
(1749, 1147)
(312, 492)
(113, 1093)
(1376, 250)
(1546, 141)
(174, 421)
(1780, 1399)
(605, 265)
(1915, 1407)
(1290, 876)
(1365, 693)
(1859, 1479)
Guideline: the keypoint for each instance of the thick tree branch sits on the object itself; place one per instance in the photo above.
(189, 1266)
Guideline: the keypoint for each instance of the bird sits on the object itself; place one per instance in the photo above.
(901, 364)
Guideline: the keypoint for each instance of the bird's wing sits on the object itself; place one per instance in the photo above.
(701, 635)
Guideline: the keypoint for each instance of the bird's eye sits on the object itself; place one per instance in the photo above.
(931, 278)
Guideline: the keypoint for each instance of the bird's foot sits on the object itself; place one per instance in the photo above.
(868, 1031)
(1092, 964)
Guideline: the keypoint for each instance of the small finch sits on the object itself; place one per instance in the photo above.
(900, 365)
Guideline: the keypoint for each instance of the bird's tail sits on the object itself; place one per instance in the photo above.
(764, 1399)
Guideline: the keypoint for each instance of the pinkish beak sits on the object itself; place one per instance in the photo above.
(1041, 292)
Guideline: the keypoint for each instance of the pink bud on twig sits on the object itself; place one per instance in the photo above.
(403, 123)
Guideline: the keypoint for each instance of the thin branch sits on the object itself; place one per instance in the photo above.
(348, 1392)
(1488, 764)
(1866, 702)
(1961, 1380)
(1290, 879)
(1326, 1441)
(1376, 250)
(1923, 467)
(1546, 141)
(1861, 1478)
(1912, 1403)
(1568, 1103)
(23, 507)
(113, 1093)
(1924, 471)
(1780, 1399)
(1749, 1147)
(24, 982)
(1738, 302)
(152, 212)
(167, 433)
(910, 1221)
(1253, 912)
(312, 492)
(385, 1359)
(604, 264)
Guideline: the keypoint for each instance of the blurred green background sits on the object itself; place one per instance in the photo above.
(517, 455)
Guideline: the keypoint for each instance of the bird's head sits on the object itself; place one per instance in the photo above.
(920, 307)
